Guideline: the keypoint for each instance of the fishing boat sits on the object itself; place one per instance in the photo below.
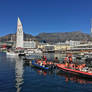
(82, 73)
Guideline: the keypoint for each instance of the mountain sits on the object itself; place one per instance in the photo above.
(8, 38)
(61, 37)
(12, 37)
(51, 37)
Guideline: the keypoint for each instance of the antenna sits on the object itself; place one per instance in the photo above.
(91, 27)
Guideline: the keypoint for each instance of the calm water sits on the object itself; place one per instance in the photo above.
(15, 76)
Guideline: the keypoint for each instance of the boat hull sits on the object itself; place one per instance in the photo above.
(38, 66)
(75, 72)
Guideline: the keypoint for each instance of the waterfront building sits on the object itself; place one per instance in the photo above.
(87, 47)
(19, 35)
(67, 46)
(73, 43)
(62, 47)
(41, 45)
(29, 44)
(49, 48)
(54, 47)
(46, 47)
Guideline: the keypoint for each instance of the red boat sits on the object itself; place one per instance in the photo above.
(74, 71)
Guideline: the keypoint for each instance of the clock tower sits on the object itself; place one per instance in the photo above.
(19, 35)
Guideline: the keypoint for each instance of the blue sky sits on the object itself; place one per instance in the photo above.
(39, 16)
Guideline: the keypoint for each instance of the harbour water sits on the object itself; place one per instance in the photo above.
(15, 76)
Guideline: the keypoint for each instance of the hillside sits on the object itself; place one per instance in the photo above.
(61, 37)
(10, 37)
(51, 37)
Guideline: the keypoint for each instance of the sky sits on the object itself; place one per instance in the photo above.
(38, 16)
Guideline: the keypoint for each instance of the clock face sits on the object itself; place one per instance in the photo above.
(19, 31)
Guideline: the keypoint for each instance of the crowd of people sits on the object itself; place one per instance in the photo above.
(68, 61)
(43, 61)
(70, 64)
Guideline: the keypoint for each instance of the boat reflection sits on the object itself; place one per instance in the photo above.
(42, 72)
(19, 73)
(67, 77)
(74, 78)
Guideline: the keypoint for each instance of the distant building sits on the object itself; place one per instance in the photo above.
(49, 48)
(62, 47)
(73, 43)
(55, 47)
(29, 44)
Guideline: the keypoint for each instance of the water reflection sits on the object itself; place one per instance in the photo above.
(19, 73)
(31, 81)
(74, 78)
(68, 77)
(42, 72)
(11, 58)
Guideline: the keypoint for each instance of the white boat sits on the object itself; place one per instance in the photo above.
(11, 53)
(33, 51)
(38, 51)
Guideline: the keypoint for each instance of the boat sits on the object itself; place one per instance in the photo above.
(38, 51)
(28, 59)
(39, 66)
(21, 54)
(48, 66)
(11, 53)
(81, 73)
(33, 51)
(31, 57)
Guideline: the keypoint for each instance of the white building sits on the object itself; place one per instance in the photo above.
(29, 44)
(19, 34)
(73, 43)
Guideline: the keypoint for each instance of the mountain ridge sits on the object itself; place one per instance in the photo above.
(51, 37)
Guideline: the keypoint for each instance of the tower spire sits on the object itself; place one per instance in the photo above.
(19, 34)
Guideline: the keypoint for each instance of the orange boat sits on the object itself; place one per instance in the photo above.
(74, 71)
